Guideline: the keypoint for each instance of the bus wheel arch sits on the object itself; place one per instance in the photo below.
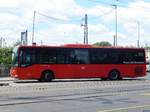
(114, 74)
(47, 76)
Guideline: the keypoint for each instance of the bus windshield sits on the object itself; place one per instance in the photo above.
(27, 57)
(15, 57)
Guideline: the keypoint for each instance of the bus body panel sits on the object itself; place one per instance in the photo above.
(76, 71)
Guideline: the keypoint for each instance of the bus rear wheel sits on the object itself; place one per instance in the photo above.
(114, 75)
(46, 76)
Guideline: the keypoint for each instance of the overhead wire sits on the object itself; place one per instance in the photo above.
(77, 20)
(104, 14)
(97, 1)
(112, 4)
(50, 17)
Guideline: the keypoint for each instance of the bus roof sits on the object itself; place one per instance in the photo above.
(77, 46)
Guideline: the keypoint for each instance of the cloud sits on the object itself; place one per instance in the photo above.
(17, 16)
(9, 3)
(135, 15)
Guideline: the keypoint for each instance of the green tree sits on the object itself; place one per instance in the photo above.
(102, 43)
(5, 56)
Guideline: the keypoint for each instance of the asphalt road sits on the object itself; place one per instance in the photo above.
(76, 96)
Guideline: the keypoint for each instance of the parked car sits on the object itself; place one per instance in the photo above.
(148, 65)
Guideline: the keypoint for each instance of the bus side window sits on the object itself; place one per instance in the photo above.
(63, 56)
(136, 56)
(115, 58)
(99, 57)
(79, 56)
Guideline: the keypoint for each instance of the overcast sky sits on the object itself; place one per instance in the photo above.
(17, 16)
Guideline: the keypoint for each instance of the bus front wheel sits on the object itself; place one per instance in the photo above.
(46, 76)
(114, 75)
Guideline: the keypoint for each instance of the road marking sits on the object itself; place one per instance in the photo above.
(126, 108)
(146, 94)
(7, 111)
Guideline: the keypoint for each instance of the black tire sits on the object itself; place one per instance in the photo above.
(46, 76)
(114, 75)
(103, 79)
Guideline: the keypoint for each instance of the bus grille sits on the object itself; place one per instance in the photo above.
(138, 71)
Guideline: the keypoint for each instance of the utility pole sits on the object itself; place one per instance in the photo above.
(41, 42)
(86, 30)
(24, 38)
(138, 41)
(2, 42)
(114, 40)
(33, 27)
(85, 25)
(116, 24)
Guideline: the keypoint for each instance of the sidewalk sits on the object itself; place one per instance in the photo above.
(6, 79)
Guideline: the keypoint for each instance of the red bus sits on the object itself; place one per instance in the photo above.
(45, 63)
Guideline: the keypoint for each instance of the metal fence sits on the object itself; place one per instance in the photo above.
(4, 70)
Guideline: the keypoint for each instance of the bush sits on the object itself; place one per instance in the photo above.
(5, 56)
